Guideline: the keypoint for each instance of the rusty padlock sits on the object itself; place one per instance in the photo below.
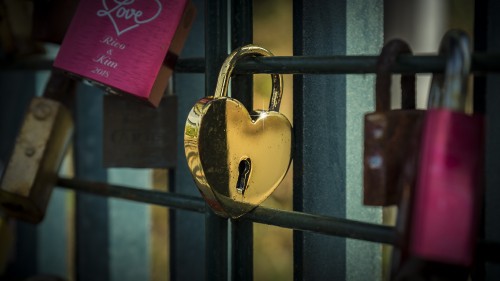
(448, 195)
(31, 172)
(388, 132)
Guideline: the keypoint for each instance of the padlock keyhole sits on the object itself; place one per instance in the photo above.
(244, 174)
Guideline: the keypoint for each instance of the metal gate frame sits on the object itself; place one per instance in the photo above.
(228, 245)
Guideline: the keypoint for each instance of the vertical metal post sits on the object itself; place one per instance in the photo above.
(92, 227)
(479, 103)
(54, 256)
(53, 237)
(216, 50)
(187, 229)
(492, 228)
(242, 90)
(364, 35)
(17, 90)
(480, 45)
(129, 228)
(319, 151)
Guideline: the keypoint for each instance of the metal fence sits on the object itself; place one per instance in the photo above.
(205, 246)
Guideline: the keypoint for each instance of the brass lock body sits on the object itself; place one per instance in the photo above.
(389, 134)
(237, 158)
(31, 173)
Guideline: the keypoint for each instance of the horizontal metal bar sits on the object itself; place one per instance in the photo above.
(190, 65)
(173, 200)
(481, 63)
(323, 224)
(28, 64)
(287, 219)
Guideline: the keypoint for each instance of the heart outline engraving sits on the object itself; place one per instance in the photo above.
(129, 14)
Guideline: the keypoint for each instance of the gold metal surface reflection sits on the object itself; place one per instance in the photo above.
(237, 158)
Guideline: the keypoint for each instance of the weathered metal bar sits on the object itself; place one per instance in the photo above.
(319, 121)
(168, 199)
(187, 229)
(362, 259)
(31, 64)
(324, 225)
(287, 219)
(17, 91)
(92, 247)
(480, 40)
(338, 64)
(295, 220)
(216, 50)
(482, 63)
(492, 151)
(242, 89)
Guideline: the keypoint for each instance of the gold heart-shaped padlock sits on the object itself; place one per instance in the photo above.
(237, 159)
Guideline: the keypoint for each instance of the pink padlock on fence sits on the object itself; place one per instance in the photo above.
(448, 194)
(126, 46)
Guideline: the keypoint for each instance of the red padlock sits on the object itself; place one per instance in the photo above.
(126, 47)
(448, 192)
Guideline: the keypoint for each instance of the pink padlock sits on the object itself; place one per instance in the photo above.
(448, 194)
(126, 46)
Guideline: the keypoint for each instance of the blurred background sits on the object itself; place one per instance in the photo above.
(139, 234)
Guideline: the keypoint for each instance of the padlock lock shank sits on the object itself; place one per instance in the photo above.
(387, 144)
(449, 189)
(31, 173)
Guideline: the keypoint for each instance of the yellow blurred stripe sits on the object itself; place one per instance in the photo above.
(159, 248)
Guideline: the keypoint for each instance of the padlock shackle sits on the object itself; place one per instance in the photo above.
(385, 61)
(449, 90)
(229, 64)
